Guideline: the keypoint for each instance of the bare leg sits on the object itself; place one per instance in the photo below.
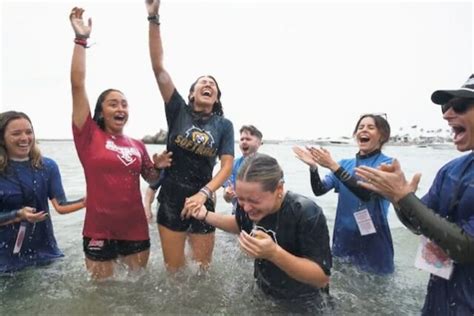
(136, 261)
(172, 245)
(100, 270)
(202, 246)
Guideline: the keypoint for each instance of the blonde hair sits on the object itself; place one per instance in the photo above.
(35, 155)
(262, 169)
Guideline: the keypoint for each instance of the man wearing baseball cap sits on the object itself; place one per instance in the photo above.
(445, 215)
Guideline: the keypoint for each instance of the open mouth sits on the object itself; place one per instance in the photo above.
(458, 131)
(120, 117)
(364, 139)
(207, 92)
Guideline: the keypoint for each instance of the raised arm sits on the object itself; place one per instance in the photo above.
(80, 102)
(156, 51)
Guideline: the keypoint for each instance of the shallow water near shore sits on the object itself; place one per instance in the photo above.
(227, 287)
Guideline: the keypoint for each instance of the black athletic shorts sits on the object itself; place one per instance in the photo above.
(110, 249)
(171, 198)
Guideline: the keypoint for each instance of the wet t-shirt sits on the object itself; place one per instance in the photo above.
(112, 167)
(300, 228)
(196, 142)
(22, 185)
(452, 197)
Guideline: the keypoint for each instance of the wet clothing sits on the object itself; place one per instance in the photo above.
(300, 228)
(22, 185)
(196, 141)
(374, 252)
(106, 250)
(451, 197)
(233, 178)
(235, 170)
(112, 166)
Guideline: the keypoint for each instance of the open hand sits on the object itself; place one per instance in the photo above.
(163, 160)
(305, 156)
(152, 6)
(389, 181)
(80, 28)
(29, 214)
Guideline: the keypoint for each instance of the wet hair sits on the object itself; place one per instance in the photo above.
(252, 130)
(263, 169)
(382, 125)
(98, 117)
(35, 154)
(217, 107)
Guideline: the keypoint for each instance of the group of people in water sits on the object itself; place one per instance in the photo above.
(286, 233)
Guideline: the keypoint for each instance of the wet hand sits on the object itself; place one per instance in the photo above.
(152, 7)
(31, 215)
(305, 156)
(260, 245)
(80, 28)
(163, 160)
(197, 213)
(323, 157)
(229, 193)
(388, 181)
(195, 202)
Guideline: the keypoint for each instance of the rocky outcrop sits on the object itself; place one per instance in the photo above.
(158, 138)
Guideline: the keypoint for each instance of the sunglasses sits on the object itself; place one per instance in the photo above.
(458, 108)
(384, 115)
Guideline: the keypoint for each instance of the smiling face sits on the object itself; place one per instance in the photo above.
(204, 93)
(367, 136)
(19, 138)
(256, 202)
(115, 112)
(249, 143)
(462, 125)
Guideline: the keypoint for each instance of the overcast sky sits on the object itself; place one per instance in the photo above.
(295, 69)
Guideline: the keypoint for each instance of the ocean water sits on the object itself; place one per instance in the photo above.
(228, 287)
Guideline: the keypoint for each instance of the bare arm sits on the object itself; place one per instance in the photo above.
(227, 223)
(148, 201)
(162, 77)
(80, 102)
(68, 206)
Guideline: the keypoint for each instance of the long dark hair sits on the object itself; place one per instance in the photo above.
(35, 154)
(98, 117)
(382, 125)
(217, 107)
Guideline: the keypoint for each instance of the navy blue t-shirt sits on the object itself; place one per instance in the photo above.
(22, 185)
(196, 142)
(300, 228)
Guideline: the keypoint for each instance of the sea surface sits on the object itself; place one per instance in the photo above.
(65, 288)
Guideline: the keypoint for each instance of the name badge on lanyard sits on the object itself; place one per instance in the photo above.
(364, 222)
(20, 237)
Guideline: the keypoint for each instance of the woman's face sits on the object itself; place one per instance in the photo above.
(367, 136)
(115, 112)
(19, 138)
(256, 202)
(205, 92)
